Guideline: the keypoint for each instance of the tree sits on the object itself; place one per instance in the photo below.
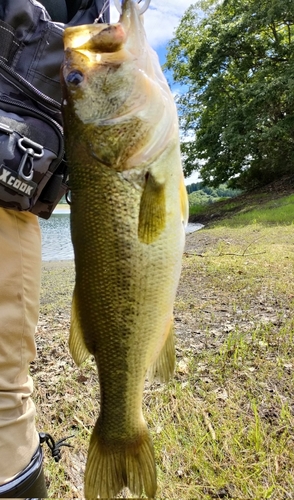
(236, 59)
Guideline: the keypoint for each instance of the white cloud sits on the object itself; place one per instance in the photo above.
(161, 19)
(193, 178)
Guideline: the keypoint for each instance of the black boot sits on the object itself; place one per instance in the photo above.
(29, 483)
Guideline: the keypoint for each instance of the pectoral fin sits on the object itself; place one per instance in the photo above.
(77, 345)
(163, 367)
(184, 202)
(152, 217)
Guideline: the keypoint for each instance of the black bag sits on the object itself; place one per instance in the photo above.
(33, 173)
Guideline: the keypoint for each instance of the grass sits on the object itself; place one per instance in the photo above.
(260, 208)
(224, 426)
(279, 211)
(197, 209)
(243, 375)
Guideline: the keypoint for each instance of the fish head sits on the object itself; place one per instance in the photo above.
(115, 95)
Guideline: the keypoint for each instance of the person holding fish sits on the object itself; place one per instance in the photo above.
(21, 469)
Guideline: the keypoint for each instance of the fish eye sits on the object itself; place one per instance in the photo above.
(75, 77)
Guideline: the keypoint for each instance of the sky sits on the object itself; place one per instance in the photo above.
(160, 21)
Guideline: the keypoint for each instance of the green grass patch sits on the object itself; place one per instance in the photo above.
(197, 209)
(280, 211)
(227, 429)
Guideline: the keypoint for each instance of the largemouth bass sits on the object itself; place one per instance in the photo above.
(128, 210)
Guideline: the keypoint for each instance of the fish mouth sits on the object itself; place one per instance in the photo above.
(95, 38)
(112, 81)
(103, 38)
(104, 56)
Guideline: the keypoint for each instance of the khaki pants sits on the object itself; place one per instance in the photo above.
(20, 270)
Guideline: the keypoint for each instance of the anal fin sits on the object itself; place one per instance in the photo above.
(77, 345)
(164, 366)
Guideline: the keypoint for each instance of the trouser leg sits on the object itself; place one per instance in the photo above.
(20, 270)
(29, 483)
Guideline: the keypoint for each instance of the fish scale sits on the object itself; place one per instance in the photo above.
(129, 206)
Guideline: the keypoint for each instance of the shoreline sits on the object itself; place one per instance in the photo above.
(70, 262)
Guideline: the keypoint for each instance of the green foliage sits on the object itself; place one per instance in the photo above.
(201, 198)
(222, 191)
(237, 60)
(200, 195)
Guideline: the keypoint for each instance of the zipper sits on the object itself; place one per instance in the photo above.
(36, 112)
(27, 88)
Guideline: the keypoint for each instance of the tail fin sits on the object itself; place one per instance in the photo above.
(113, 466)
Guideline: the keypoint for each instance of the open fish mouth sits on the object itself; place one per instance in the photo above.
(130, 91)
(101, 38)
(95, 38)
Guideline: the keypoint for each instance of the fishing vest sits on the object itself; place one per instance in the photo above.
(33, 171)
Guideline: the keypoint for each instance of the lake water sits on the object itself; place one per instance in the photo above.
(56, 240)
